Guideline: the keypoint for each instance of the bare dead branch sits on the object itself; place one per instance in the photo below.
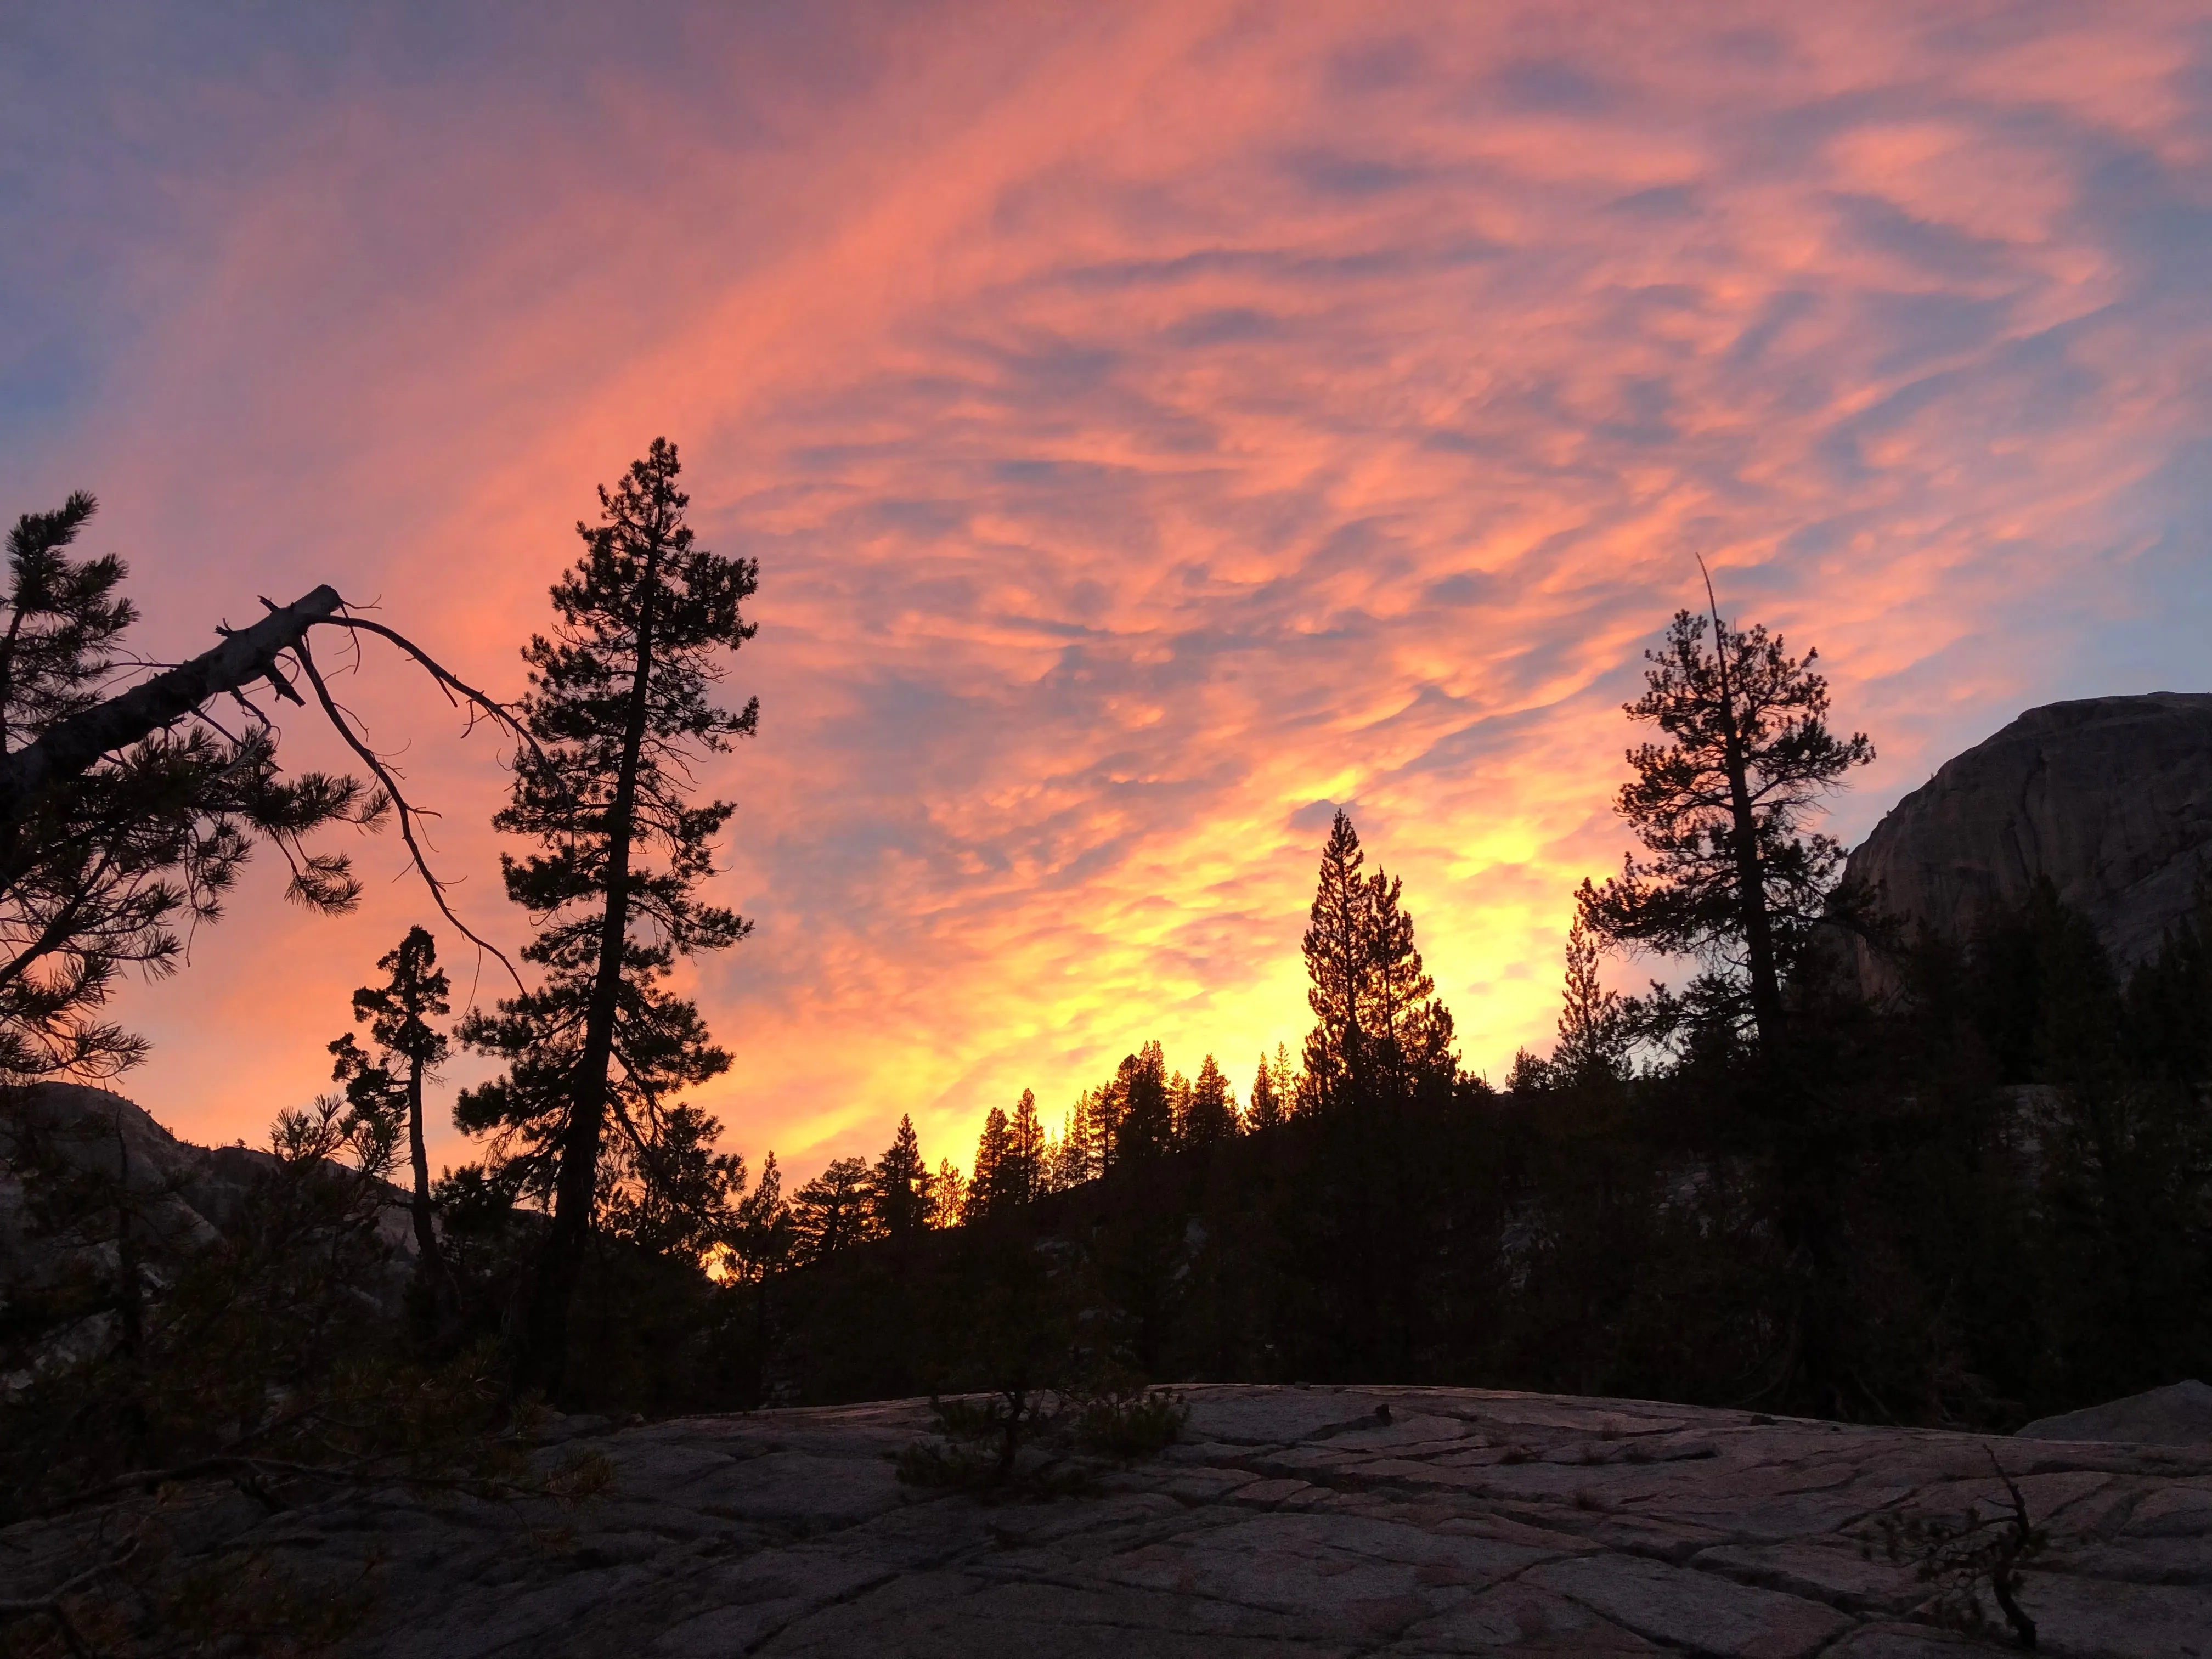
(459, 692)
(70, 746)
(407, 814)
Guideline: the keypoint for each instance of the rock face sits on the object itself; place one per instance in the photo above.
(2179, 1414)
(189, 1194)
(1288, 1521)
(184, 1197)
(2110, 797)
(91, 1133)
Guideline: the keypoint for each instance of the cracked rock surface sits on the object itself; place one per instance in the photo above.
(1317, 1521)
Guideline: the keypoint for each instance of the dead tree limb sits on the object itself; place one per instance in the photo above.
(457, 691)
(70, 748)
(407, 812)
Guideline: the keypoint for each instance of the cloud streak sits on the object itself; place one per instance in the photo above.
(1155, 426)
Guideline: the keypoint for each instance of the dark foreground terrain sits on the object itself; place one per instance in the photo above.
(1287, 1521)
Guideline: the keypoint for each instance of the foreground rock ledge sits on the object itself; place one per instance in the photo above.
(1289, 1520)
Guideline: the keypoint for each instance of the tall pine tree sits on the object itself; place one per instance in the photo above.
(987, 1181)
(1010, 1161)
(1144, 1112)
(1209, 1117)
(1288, 1082)
(1095, 1129)
(1408, 1026)
(1594, 1026)
(1076, 1156)
(1381, 1033)
(948, 1195)
(900, 1182)
(620, 712)
(398, 1013)
(1337, 1055)
(1024, 1162)
(1733, 878)
(1267, 1106)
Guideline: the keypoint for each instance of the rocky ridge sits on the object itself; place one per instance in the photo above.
(2108, 798)
(1309, 1521)
(182, 1197)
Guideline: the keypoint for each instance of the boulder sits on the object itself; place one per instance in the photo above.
(2108, 798)
(2179, 1414)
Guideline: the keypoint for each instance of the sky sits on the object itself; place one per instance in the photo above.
(1158, 426)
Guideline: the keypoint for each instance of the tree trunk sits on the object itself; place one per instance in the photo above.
(545, 1339)
(1751, 897)
(430, 1259)
(1750, 879)
(1349, 948)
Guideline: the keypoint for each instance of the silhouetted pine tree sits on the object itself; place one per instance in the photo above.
(1733, 879)
(1408, 1027)
(1336, 950)
(118, 831)
(1380, 1049)
(760, 1241)
(902, 1183)
(1095, 1132)
(1024, 1165)
(1073, 1158)
(1381, 1033)
(1010, 1161)
(676, 1196)
(619, 709)
(986, 1182)
(1593, 1028)
(1143, 1121)
(832, 1211)
(1209, 1112)
(757, 1251)
(399, 1012)
(948, 1195)
(1266, 1107)
(1528, 1074)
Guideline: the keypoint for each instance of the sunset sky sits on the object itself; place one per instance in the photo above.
(1155, 424)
